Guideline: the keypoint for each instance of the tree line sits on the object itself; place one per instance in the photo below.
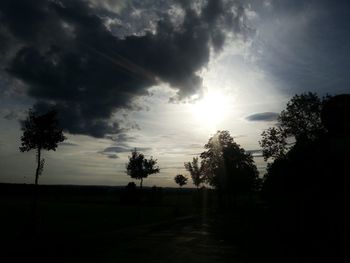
(306, 186)
(224, 164)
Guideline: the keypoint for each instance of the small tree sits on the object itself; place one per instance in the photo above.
(139, 167)
(195, 170)
(180, 180)
(40, 132)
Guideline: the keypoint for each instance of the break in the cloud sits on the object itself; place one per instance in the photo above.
(72, 58)
(263, 116)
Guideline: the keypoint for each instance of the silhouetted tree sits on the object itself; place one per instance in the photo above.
(40, 132)
(274, 143)
(180, 180)
(308, 186)
(139, 167)
(195, 171)
(227, 166)
(301, 120)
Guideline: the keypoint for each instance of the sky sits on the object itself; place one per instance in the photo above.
(159, 76)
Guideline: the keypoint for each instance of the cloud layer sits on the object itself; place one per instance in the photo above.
(70, 55)
(303, 45)
(263, 116)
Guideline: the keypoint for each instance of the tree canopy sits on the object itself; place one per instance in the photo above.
(139, 167)
(226, 166)
(301, 120)
(196, 172)
(180, 180)
(41, 132)
(307, 186)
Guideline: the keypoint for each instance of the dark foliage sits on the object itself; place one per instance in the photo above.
(139, 167)
(335, 115)
(301, 120)
(180, 180)
(307, 189)
(227, 166)
(196, 172)
(41, 132)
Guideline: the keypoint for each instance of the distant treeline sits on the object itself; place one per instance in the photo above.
(23, 189)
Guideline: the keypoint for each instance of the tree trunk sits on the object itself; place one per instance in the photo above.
(38, 166)
(141, 182)
(34, 212)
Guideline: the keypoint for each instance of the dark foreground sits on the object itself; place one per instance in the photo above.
(96, 224)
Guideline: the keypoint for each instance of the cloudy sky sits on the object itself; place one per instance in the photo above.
(160, 76)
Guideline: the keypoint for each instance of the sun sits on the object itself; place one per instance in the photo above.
(211, 110)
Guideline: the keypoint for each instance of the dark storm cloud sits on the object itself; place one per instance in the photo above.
(263, 116)
(70, 59)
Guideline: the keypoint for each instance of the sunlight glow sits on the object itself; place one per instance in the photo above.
(212, 109)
